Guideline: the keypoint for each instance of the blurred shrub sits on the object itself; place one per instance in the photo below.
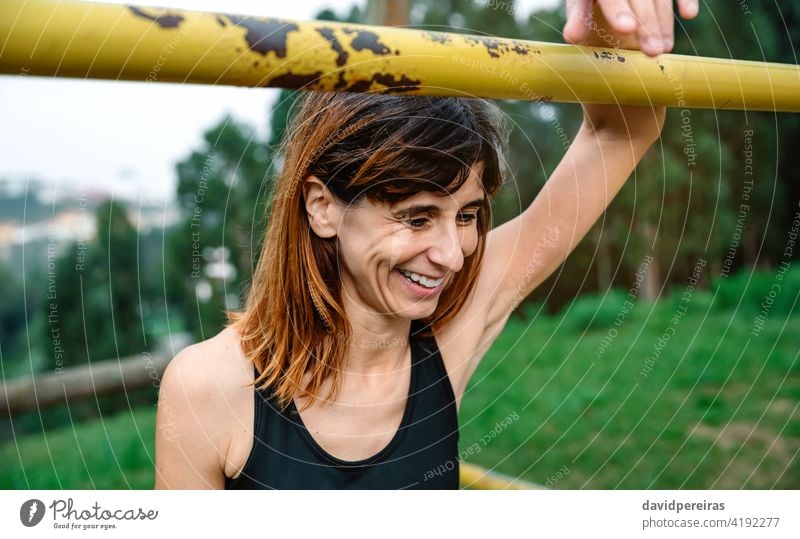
(753, 289)
(596, 311)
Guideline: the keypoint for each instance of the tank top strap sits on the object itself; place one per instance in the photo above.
(427, 351)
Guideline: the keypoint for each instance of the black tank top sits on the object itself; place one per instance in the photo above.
(423, 454)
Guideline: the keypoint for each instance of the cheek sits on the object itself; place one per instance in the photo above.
(399, 248)
(353, 251)
(469, 241)
(362, 249)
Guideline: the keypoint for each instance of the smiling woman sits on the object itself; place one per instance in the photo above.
(369, 184)
(377, 230)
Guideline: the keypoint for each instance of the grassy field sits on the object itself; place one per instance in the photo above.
(589, 398)
(113, 453)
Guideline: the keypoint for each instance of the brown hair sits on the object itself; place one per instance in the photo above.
(386, 148)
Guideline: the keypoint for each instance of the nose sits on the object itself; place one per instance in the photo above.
(446, 250)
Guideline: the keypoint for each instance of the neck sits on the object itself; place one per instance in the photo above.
(378, 343)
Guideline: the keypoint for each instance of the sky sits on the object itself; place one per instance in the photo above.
(124, 138)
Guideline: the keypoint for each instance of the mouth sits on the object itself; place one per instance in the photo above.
(424, 280)
(421, 286)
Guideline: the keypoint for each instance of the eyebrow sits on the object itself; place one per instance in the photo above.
(433, 208)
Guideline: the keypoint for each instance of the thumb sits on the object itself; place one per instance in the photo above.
(579, 16)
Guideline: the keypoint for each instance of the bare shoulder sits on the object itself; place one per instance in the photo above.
(204, 394)
(218, 360)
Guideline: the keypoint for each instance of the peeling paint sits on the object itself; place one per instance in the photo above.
(438, 37)
(330, 37)
(295, 81)
(520, 48)
(390, 82)
(341, 83)
(367, 40)
(498, 47)
(606, 55)
(171, 20)
(379, 82)
(401, 84)
(265, 35)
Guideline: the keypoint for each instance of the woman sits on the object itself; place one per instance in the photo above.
(380, 286)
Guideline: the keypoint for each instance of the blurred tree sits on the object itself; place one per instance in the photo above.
(12, 311)
(784, 21)
(221, 191)
(94, 309)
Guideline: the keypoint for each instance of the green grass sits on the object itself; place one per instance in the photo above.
(114, 452)
(719, 409)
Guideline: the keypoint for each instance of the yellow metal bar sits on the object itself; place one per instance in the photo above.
(69, 38)
(477, 478)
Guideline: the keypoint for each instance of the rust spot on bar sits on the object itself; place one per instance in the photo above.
(264, 35)
(341, 83)
(360, 86)
(294, 81)
(520, 48)
(172, 20)
(438, 37)
(490, 44)
(498, 47)
(390, 82)
(402, 84)
(330, 37)
(367, 40)
(605, 55)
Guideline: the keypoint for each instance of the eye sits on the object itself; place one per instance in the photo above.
(417, 222)
(467, 218)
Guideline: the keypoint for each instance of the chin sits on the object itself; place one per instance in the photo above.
(414, 312)
(419, 313)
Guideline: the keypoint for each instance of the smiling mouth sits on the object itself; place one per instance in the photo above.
(422, 280)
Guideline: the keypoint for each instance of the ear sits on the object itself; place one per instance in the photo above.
(321, 207)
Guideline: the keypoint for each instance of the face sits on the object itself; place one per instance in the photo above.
(396, 259)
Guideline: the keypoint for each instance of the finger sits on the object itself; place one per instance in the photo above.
(688, 8)
(579, 14)
(666, 21)
(649, 30)
(619, 15)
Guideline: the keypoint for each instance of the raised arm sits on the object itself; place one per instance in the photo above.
(612, 139)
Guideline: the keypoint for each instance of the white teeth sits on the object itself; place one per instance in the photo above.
(421, 279)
